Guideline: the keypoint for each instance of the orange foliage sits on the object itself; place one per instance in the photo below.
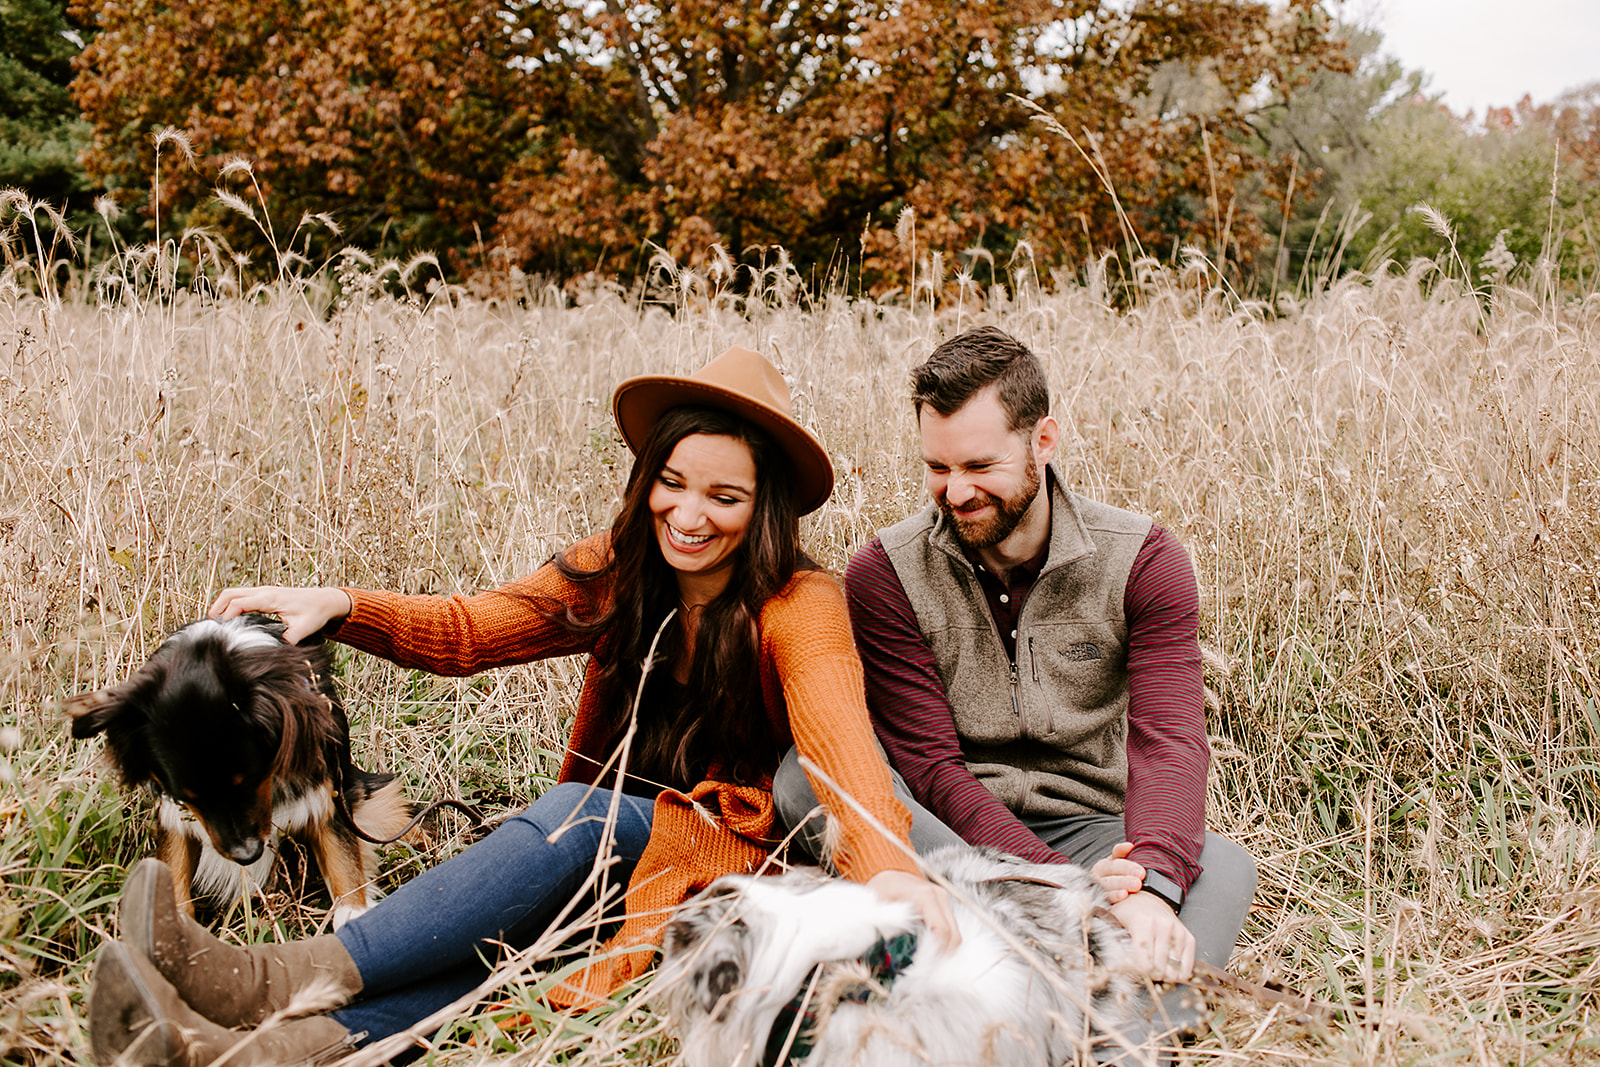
(1573, 121)
(378, 112)
(571, 132)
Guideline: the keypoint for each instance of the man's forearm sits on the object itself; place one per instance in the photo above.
(1168, 754)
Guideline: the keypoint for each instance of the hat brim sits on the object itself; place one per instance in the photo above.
(640, 401)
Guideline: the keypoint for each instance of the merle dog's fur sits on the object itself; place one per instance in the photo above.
(239, 736)
(1042, 972)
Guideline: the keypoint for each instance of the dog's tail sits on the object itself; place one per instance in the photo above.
(357, 785)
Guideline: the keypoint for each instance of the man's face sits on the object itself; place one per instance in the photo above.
(982, 474)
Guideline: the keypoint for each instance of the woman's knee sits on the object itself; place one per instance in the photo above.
(564, 799)
(579, 814)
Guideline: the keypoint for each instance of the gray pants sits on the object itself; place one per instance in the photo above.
(1214, 908)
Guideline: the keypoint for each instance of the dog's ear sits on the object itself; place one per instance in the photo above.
(118, 711)
(92, 712)
(713, 951)
(701, 916)
(682, 935)
(710, 945)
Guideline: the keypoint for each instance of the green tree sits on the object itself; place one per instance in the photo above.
(1511, 190)
(1371, 144)
(41, 135)
(1321, 135)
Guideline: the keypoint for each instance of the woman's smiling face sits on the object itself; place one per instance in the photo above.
(701, 506)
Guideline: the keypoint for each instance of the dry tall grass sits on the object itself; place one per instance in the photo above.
(1391, 497)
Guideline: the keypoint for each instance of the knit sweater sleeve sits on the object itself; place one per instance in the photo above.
(805, 632)
(461, 635)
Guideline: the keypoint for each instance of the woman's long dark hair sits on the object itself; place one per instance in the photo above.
(724, 720)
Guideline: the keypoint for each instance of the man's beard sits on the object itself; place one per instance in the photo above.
(1008, 512)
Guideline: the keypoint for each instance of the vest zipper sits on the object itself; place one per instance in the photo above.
(1016, 704)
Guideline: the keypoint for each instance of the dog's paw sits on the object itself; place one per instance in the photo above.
(345, 912)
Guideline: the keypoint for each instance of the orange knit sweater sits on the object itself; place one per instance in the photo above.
(811, 687)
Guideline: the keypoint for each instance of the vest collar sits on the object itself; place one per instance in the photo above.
(1069, 538)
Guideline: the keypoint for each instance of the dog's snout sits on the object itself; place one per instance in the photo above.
(722, 980)
(247, 851)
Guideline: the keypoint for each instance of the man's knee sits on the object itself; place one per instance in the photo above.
(1232, 869)
(792, 794)
(1219, 900)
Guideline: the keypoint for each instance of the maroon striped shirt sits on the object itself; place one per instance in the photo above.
(1167, 752)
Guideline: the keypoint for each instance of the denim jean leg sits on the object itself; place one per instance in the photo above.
(419, 947)
(372, 1019)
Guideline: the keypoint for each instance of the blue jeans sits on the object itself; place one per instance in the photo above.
(425, 945)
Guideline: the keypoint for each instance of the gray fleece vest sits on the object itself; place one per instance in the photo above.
(1047, 734)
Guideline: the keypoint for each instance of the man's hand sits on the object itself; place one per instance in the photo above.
(1164, 947)
(931, 902)
(1119, 876)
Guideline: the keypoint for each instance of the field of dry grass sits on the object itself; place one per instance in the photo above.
(1391, 490)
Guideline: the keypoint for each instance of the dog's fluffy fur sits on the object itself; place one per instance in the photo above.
(241, 736)
(1038, 993)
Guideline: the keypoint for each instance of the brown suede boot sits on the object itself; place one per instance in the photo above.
(227, 984)
(137, 1019)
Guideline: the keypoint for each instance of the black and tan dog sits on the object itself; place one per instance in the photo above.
(241, 736)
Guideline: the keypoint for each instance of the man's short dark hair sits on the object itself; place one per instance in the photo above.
(969, 362)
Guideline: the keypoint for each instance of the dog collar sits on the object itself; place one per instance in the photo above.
(796, 1024)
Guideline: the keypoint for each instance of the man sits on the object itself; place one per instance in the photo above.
(1033, 666)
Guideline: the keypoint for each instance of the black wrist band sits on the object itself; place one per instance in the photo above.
(1163, 889)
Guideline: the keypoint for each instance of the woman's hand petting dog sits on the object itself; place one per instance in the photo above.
(930, 901)
(304, 611)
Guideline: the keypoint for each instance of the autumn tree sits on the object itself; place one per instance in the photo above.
(568, 133)
(397, 118)
(806, 123)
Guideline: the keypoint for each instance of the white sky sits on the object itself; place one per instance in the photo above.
(1489, 52)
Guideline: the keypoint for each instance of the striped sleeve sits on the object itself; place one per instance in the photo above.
(912, 716)
(1167, 750)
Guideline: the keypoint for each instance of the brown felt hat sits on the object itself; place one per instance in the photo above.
(740, 381)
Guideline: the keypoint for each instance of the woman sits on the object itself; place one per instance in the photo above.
(752, 652)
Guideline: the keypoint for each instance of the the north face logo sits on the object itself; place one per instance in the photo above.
(1082, 650)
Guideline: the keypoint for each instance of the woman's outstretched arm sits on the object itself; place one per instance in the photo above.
(452, 635)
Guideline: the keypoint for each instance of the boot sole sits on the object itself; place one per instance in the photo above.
(126, 1023)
